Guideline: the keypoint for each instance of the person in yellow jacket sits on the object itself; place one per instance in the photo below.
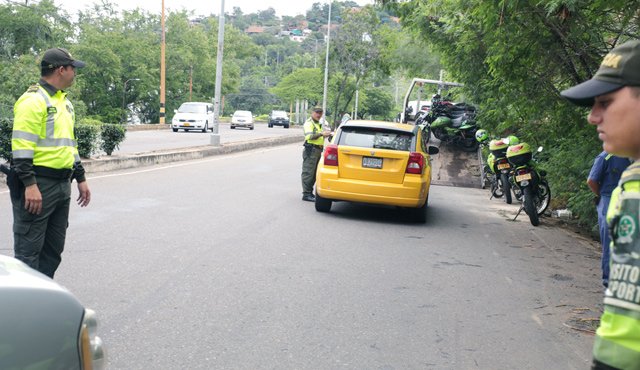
(614, 97)
(45, 161)
(314, 136)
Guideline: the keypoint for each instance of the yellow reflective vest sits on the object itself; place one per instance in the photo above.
(617, 342)
(311, 127)
(43, 129)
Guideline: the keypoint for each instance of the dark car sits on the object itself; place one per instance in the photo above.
(278, 118)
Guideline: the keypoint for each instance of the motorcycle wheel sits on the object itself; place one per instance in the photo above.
(470, 144)
(428, 133)
(543, 198)
(517, 193)
(438, 133)
(506, 188)
(530, 206)
(496, 186)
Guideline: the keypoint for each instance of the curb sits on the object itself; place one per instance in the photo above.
(112, 163)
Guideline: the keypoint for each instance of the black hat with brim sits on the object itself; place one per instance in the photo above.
(58, 57)
(619, 68)
(585, 93)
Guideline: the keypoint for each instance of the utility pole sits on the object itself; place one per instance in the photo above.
(162, 68)
(190, 82)
(215, 133)
(315, 56)
(326, 67)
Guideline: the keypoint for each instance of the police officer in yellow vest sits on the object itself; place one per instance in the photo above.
(45, 161)
(614, 97)
(314, 136)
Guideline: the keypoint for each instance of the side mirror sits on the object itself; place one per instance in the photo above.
(433, 150)
(175, 111)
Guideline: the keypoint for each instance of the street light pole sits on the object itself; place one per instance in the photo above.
(215, 132)
(124, 94)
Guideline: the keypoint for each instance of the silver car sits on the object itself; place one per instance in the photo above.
(42, 325)
(242, 118)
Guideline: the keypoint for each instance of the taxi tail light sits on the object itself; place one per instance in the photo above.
(331, 155)
(415, 164)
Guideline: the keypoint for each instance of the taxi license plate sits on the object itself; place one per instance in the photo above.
(186, 124)
(526, 176)
(502, 166)
(371, 162)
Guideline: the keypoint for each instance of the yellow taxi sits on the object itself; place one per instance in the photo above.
(376, 162)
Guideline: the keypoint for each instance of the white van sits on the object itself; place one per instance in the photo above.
(193, 116)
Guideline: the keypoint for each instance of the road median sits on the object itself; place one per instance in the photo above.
(119, 162)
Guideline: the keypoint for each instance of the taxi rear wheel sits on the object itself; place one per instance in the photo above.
(322, 204)
(420, 214)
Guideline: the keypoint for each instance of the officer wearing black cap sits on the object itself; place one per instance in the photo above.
(614, 97)
(45, 161)
(313, 143)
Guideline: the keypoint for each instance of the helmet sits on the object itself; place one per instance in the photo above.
(498, 145)
(519, 154)
(512, 140)
(519, 149)
(482, 135)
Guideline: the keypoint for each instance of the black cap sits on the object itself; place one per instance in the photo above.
(58, 57)
(621, 67)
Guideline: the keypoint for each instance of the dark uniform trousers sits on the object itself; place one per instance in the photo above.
(310, 158)
(39, 239)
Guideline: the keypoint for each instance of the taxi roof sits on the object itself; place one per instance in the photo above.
(380, 124)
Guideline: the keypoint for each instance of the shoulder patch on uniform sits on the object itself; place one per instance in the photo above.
(32, 88)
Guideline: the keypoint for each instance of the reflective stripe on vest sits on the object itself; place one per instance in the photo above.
(48, 140)
(50, 114)
(617, 341)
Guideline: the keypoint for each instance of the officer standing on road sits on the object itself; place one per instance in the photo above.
(614, 97)
(603, 178)
(45, 161)
(313, 143)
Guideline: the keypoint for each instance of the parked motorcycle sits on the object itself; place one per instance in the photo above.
(454, 124)
(501, 167)
(536, 194)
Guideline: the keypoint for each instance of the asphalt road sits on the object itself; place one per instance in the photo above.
(218, 264)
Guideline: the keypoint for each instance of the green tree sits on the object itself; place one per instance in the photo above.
(304, 84)
(355, 54)
(515, 57)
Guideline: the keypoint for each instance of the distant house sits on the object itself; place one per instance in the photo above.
(284, 33)
(254, 30)
(297, 35)
(334, 27)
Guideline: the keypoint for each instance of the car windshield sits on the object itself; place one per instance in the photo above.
(192, 108)
(278, 113)
(242, 114)
(376, 138)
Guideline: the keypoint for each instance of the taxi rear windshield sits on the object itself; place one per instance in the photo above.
(365, 137)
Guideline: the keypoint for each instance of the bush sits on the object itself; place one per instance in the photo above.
(6, 126)
(111, 135)
(87, 137)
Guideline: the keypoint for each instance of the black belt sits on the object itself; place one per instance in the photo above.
(314, 145)
(54, 173)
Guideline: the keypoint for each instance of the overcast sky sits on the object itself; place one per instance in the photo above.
(206, 7)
